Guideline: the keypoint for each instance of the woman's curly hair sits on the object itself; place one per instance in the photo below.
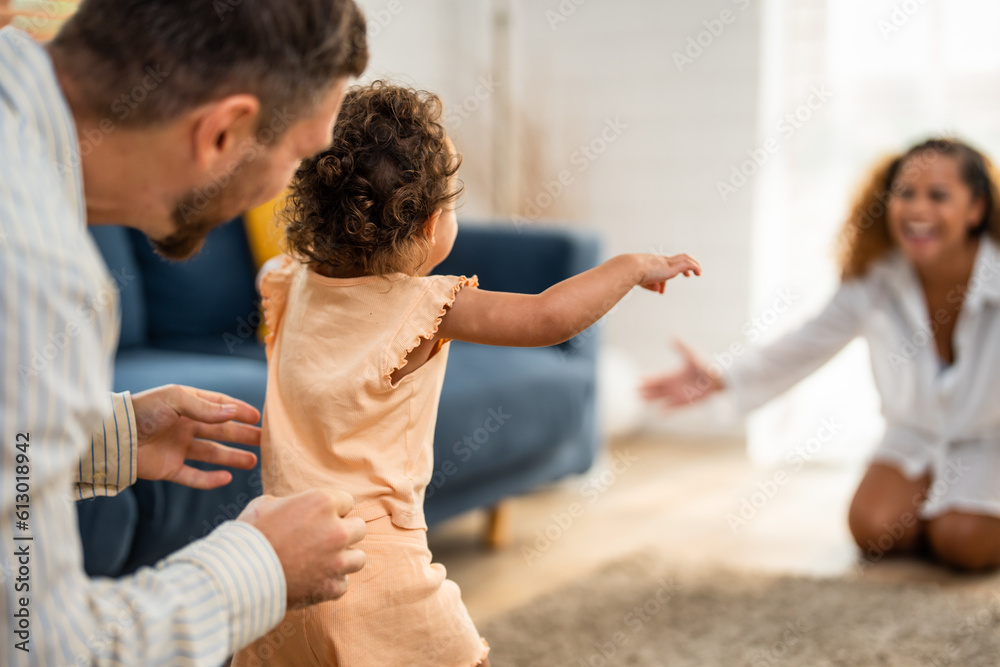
(865, 237)
(360, 206)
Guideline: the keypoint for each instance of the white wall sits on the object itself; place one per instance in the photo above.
(576, 67)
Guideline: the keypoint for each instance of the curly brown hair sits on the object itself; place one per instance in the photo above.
(865, 237)
(360, 207)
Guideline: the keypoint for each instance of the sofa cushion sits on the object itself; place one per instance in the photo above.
(107, 556)
(242, 342)
(117, 246)
(209, 295)
(526, 260)
(239, 377)
(503, 409)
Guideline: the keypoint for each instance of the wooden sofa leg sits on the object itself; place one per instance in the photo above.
(498, 527)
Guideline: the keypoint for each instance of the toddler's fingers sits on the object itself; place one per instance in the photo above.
(693, 267)
(686, 263)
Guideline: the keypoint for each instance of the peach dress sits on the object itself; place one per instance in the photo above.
(333, 418)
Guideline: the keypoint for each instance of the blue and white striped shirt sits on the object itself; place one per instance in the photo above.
(60, 424)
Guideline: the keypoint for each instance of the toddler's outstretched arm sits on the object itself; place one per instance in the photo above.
(563, 310)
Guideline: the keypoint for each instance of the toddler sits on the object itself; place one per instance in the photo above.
(357, 353)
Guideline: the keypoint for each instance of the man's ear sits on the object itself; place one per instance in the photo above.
(222, 127)
(430, 226)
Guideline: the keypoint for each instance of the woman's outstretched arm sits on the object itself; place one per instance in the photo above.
(759, 374)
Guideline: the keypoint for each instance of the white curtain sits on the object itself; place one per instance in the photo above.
(843, 83)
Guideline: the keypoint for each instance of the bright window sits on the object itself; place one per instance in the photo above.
(881, 75)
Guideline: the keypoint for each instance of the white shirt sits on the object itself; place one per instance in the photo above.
(929, 408)
(60, 423)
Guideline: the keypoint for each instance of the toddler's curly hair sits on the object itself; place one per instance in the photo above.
(360, 206)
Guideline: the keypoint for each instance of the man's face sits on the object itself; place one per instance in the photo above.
(262, 172)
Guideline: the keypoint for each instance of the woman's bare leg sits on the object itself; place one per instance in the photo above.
(885, 514)
(966, 541)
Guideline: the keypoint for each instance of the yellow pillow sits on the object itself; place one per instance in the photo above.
(265, 234)
(266, 237)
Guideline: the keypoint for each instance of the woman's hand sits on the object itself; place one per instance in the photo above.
(658, 269)
(177, 423)
(692, 383)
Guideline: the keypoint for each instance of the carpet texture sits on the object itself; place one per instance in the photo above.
(635, 612)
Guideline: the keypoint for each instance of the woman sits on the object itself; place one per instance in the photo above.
(920, 268)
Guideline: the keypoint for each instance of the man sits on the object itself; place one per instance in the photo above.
(170, 116)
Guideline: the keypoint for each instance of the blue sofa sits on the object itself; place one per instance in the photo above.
(509, 419)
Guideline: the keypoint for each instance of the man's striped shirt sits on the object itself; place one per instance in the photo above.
(61, 425)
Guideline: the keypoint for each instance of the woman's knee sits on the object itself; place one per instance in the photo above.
(882, 529)
(966, 541)
(883, 517)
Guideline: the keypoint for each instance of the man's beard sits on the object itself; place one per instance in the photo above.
(188, 238)
(197, 214)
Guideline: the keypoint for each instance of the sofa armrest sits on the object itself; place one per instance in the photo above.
(526, 261)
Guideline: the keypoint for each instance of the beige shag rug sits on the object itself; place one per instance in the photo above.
(635, 612)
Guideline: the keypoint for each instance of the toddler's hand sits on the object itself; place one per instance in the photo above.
(658, 269)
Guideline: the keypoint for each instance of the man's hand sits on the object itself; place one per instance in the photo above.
(312, 541)
(178, 423)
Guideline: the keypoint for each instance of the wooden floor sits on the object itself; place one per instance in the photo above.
(697, 502)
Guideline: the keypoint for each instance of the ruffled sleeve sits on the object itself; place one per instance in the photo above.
(274, 288)
(423, 318)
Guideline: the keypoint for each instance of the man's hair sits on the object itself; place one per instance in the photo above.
(145, 62)
(362, 204)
